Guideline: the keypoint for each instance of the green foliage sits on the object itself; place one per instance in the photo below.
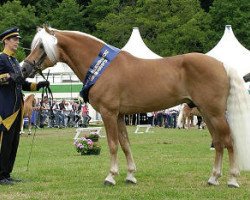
(235, 13)
(20, 54)
(167, 27)
(68, 15)
(14, 14)
(96, 11)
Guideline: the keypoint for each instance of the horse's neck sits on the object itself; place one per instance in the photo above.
(79, 52)
(29, 99)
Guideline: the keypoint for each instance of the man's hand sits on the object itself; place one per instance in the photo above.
(42, 84)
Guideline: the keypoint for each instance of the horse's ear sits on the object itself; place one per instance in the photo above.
(38, 28)
(51, 32)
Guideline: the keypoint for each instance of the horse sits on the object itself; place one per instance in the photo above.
(28, 106)
(185, 118)
(133, 85)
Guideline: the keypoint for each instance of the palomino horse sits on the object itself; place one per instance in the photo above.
(185, 118)
(29, 104)
(133, 85)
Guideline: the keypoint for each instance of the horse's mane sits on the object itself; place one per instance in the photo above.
(86, 35)
(49, 41)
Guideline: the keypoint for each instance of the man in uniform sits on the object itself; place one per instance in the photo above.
(11, 103)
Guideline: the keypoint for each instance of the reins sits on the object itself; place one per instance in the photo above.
(48, 92)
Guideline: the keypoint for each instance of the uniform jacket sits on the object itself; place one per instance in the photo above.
(11, 97)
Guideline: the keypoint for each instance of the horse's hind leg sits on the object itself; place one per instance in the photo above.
(124, 142)
(220, 130)
(110, 123)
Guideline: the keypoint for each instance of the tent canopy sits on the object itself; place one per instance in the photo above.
(230, 51)
(137, 47)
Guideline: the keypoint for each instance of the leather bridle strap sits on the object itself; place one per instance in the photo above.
(37, 65)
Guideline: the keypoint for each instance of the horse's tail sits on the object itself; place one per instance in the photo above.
(180, 122)
(238, 115)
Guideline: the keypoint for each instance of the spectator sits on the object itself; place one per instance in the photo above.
(85, 115)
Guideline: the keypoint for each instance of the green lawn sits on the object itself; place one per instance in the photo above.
(171, 164)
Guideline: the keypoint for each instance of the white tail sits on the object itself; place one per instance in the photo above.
(238, 115)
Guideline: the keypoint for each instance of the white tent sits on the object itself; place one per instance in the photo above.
(59, 73)
(230, 51)
(137, 47)
(59, 68)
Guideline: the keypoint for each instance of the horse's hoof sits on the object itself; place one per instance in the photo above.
(130, 182)
(213, 181)
(108, 183)
(233, 184)
(130, 179)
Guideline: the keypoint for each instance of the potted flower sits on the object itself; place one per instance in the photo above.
(93, 136)
(86, 146)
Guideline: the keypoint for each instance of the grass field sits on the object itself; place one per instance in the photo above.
(171, 164)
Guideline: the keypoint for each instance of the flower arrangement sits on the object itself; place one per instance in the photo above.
(88, 146)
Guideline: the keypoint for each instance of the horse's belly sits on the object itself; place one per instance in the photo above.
(149, 102)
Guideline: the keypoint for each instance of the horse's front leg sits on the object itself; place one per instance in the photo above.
(29, 132)
(124, 142)
(22, 124)
(110, 123)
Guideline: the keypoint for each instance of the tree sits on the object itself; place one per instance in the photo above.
(96, 11)
(68, 15)
(205, 4)
(44, 8)
(235, 13)
(167, 27)
(13, 14)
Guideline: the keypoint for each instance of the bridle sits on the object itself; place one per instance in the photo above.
(38, 68)
(37, 65)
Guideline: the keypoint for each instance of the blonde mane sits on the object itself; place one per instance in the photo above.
(50, 42)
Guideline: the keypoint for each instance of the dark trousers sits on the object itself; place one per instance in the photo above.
(9, 146)
(199, 118)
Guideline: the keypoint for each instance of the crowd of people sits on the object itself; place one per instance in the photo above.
(163, 118)
(60, 114)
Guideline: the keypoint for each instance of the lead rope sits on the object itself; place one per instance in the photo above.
(46, 90)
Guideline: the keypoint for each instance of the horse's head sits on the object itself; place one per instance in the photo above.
(43, 53)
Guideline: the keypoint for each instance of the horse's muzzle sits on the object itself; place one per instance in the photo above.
(247, 77)
(28, 70)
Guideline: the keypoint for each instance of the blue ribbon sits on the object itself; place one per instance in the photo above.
(100, 63)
